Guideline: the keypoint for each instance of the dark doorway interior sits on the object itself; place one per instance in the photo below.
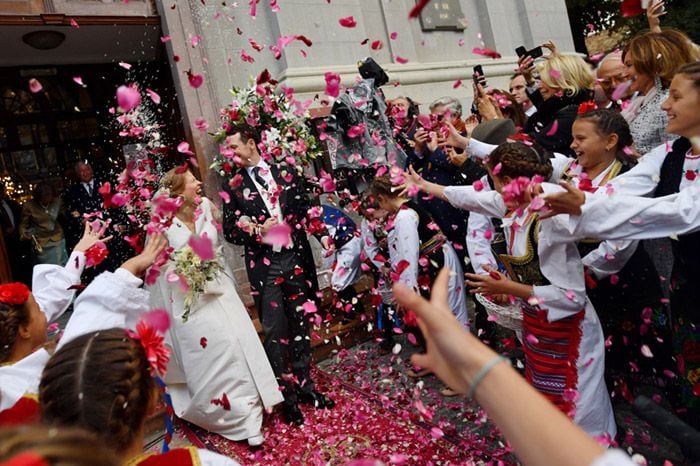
(43, 134)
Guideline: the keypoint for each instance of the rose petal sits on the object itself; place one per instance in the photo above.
(35, 86)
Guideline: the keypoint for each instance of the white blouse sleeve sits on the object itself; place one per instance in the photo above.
(113, 299)
(629, 217)
(488, 203)
(642, 179)
(609, 257)
(560, 264)
(479, 150)
(50, 285)
(404, 245)
(478, 246)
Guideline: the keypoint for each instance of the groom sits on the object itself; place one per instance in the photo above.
(282, 279)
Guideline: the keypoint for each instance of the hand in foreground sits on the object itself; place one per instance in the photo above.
(450, 349)
(137, 265)
(90, 237)
(568, 202)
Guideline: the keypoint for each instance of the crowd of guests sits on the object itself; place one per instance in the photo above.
(475, 210)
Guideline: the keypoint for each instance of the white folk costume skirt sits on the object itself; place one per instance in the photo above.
(219, 376)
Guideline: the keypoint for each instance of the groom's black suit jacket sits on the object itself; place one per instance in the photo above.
(246, 201)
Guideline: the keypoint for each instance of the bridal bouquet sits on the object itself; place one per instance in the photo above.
(193, 273)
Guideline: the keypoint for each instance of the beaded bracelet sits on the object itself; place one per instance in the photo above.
(484, 371)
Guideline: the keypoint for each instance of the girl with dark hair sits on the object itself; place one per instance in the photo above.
(103, 382)
(417, 247)
(24, 316)
(562, 336)
(621, 279)
(661, 173)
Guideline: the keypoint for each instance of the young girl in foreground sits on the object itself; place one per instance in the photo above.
(24, 316)
(562, 336)
(104, 383)
(622, 282)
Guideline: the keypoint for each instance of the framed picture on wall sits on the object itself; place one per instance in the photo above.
(24, 161)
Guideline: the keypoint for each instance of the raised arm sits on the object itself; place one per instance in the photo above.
(114, 299)
(535, 428)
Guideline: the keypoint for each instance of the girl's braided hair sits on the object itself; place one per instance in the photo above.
(518, 159)
(56, 447)
(100, 382)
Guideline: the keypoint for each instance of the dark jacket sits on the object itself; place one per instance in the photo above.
(551, 124)
(295, 201)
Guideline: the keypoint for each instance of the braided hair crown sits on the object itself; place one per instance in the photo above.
(100, 382)
(520, 159)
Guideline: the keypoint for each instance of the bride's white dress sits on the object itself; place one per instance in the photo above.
(217, 351)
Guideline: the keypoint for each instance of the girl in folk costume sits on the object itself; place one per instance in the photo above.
(24, 317)
(563, 339)
(661, 172)
(216, 350)
(622, 282)
(375, 251)
(104, 382)
(43, 446)
(417, 247)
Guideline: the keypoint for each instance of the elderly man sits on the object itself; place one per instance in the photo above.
(79, 199)
(611, 73)
(518, 86)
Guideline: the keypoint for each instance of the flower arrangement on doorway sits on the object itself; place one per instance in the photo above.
(279, 119)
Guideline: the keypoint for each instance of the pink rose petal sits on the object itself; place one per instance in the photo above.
(347, 22)
(332, 84)
(128, 97)
(202, 246)
(35, 86)
(158, 319)
(153, 95)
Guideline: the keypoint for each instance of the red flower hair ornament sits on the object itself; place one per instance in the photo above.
(521, 137)
(586, 107)
(14, 294)
(26, 459)
(157, 353)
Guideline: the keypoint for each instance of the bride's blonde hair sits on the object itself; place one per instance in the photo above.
(174, 181)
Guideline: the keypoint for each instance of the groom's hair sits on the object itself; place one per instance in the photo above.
(246, 131)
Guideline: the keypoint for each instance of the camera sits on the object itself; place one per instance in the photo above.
(370, 69)
(478, 76)
(534, 53)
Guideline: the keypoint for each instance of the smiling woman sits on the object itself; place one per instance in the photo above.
(651, 60)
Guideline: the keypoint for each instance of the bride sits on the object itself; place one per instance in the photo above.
(219, 376)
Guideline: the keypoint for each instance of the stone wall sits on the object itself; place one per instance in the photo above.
(435, 59)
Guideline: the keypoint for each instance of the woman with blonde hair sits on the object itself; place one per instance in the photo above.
(565, 82)
(219, 376)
